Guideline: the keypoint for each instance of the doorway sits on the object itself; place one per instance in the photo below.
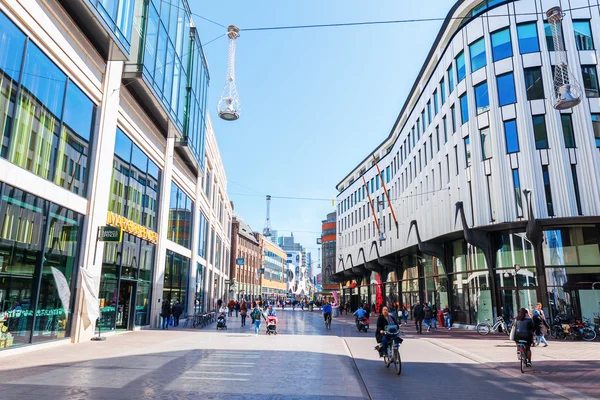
(125, 304)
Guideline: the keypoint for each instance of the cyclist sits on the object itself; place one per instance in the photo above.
(524, 328)
(326, 309)
(385, 319)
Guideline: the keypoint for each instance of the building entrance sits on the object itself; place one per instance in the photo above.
(126, 305)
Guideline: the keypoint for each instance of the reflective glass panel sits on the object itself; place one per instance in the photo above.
(583, 35)
(477, 51)
(567, 127)
(539, 131)
(464, 109)
(501, 44)
(461, 70)
(506, 89)
(590, 80)
(528, 38)
(482, 99)
(534, 83)
(512, 140)
(596, 126)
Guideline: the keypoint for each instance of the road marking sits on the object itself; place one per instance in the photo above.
(214, 373)
(224, 363)
(212, 378)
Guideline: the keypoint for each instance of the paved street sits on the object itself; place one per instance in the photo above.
(303, 361)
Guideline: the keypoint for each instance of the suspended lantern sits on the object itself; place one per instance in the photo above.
(267, 229)
(566, 88)
(229, 104)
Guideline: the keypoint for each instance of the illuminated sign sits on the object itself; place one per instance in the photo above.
(131, 227)
(110, 234)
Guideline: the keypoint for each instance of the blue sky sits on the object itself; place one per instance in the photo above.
(314, 102)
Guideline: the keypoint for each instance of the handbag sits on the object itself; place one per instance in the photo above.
(171, 320)
(513, 328)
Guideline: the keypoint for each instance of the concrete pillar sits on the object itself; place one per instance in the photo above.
(195, 260)
(101, 160)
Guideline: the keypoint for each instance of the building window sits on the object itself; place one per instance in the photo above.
(447, 169)
(491, 204)
(534, 83)
(436, 106)
(501, 44)
(464, 109)
(576, 188)
(181, 217)
(583, 35)
(437, 135)
(428, 113)
(443, 90)
(486, 143)
(423, 120)
(506, 89)
(539, 132)
(445, 125)
(456, 158)
(461, 70)
(482, 99)
(590, 80)
(596, 126)
(512, 139)
(550, 38)
(568, 134)
(528, 38)
(517, 191)
(467, 141)
(450, 79)
(477, 51)
(548, 190)
(453, 114)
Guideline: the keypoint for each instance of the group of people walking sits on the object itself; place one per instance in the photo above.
(429, 315)
(170, 314)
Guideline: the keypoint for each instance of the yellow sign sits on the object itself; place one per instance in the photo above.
(131, 227)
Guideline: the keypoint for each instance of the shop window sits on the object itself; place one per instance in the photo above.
(512, 139)
(539, 132)
(583, 35)
(567, 127)
(501, 44)
(477, 51)
(506, 89)
(573, 246)
(534, 83)
(528, 38)
(482, 99)
(450, 79)
(590, 80)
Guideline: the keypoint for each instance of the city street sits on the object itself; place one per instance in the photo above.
(303, 361)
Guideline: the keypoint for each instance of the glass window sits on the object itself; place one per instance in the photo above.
(590, 80)
(534, 83)
(444, 123)
(436, 107)
(576, 188)
(567, 127)
(510, 132)
(583, 35)
(550, 38)
(428, 113)
(539, 132)
(453, 114)
(443, 90)
(528, 38)
(450, 79)
(517, 191)
(501, 44)
(482, 99)
(467, 141)
(477, 51)
(464, 109)
(506, 89)
(596, 126)
(461, 70)
(547, 190)
(486, 143)
(181, 217)
(437, 135)
(176, 279)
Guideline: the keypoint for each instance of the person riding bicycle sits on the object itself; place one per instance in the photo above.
(271, 312)
(385, 319)
(524, 328)
(326, 309)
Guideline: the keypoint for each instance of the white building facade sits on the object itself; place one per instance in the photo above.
(477, 130)
(103, 113)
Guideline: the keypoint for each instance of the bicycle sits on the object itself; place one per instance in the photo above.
(522, 355)
(328, 321)
(484, 328)
(392, 356)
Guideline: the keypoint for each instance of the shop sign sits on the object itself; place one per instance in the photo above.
(131, 227)
(110, 234)
(239, 261)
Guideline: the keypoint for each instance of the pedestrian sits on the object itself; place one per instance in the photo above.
(256, 317)
(177, 311)
(237, 308)
(418, 317)
(405, 314)
(427, 314)
(541, 327)
(243, 312)
(165, 313)
(446, 313)
(434, 316)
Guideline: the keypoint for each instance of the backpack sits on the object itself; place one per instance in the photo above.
(256, 315)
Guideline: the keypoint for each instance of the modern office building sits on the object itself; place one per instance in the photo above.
(84, 86)
(328, 258)
(478, 137)
(246, 260)
(273, 286)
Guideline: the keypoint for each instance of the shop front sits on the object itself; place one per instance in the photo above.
(39, 245)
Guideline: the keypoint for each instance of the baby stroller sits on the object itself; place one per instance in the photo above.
(271, 325)
(221, 322)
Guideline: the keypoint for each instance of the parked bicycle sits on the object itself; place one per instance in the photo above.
(484, 328)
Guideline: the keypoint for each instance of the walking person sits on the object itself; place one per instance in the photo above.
(418, 315)
(405, 315)
(177, 311)
(165, 313)
(434, 316)
(446, 314)
(243, 312)
(541, 327)
(427, 314)
(237, 308)
(256, 317)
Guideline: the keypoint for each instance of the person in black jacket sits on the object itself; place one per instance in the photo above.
(385, 318)
(524, 328)
(165, 313)
(177, 311)
(418, 315)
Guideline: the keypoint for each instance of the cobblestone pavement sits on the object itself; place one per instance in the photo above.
(304, 361)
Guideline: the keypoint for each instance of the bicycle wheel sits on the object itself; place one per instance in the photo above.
(589, 334)
(483, 328)
(397, 362)
(386, 360)
(523, 361)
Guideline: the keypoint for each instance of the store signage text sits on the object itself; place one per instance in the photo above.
(110, 234)
(131, 227)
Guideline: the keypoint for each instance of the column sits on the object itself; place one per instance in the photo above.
(193, 276)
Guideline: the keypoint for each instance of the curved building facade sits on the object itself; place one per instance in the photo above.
(484, 197)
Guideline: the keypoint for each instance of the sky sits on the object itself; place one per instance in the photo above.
(314, 102)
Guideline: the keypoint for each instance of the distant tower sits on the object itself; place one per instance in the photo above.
(229, 104)
(267, 229)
